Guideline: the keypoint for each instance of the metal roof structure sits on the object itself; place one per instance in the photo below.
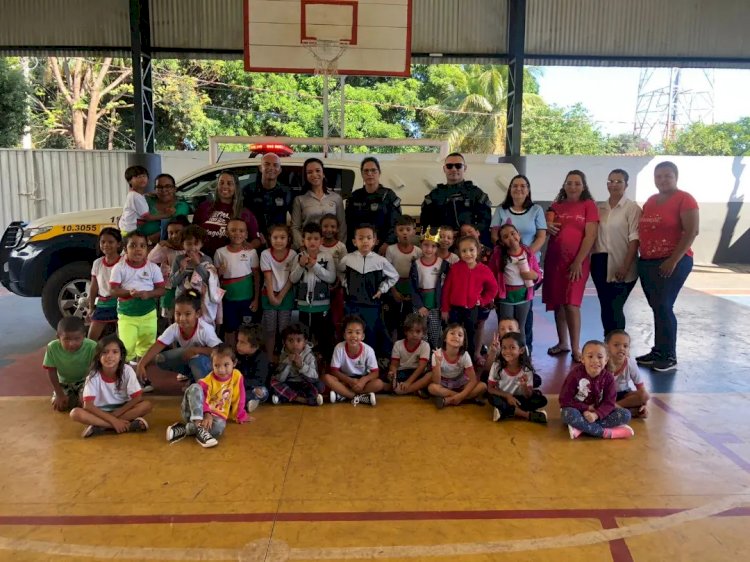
(688, 33)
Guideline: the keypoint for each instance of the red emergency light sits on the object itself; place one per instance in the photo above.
(270, 148)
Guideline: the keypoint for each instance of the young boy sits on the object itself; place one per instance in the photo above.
(401, 255)
(313, 273)
(208, 404)
(194, 270)
(67, 362)
(447, 238)
(135, 210)
(367, 277)
(333, 247)
(354, 368)
(252, 362)
(408, 372)
(239, 274)
(426, 276)
(625, 370)
(164, 255)
(296, 378)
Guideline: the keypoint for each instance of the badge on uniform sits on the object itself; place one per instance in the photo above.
(279, 202)
(374, 206)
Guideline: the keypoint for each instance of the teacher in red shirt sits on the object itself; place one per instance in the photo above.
(667, 229)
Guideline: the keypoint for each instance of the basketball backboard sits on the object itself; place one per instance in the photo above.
(374, 36)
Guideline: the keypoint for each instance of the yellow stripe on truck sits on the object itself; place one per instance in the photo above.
(63, 229)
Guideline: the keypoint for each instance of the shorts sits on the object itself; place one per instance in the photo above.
(234, 314)
(104, 314)
(622, 394)
(73, 391)
(456, 384)
(111, 407)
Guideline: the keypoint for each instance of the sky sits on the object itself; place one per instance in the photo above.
(611, 94)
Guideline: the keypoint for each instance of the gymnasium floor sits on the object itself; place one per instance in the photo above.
(401, 481)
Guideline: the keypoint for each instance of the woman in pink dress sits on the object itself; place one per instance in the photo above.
(573, 232)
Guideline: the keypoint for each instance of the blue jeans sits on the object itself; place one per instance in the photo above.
(661, 294)
(192, 411)
(572, 417)
(195, 369)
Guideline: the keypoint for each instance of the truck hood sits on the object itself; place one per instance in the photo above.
(94, 216)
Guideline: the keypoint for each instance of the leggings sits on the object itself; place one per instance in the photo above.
(573, 417)
(138, 333)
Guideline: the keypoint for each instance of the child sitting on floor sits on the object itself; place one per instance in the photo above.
(453, 376)
(587, 398)
(409, 370)
(252, 362)
(67, 362)
(625, 370)
(296, 378)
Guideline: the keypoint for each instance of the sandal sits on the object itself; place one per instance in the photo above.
(557, 350)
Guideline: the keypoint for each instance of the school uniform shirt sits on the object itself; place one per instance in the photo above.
(454, 369)
(357, 365)
(628, 373)
(506, 381)
(580, 391)
(135, 207)
(337, 251)
(280, 269)
(145, 277)
(427, 282)
(239, 268)
(105, 394)
(618, 227)
(527, 222)
(365, 275)
(410, 358)
(203, 335)
(465, 287)
(102, 272)
(71, 367)
(402, 261)
(224, 397)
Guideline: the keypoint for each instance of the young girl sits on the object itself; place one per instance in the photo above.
(409, 371)
(215, 399)
(427, 276)
(510, 384)
(516, 270)
(445, 245)
(112, 397)
(506, 326)
(587, 398)
(194, 339)
(331, 245)
(164, 255)
(296, 378)
(453, 377)
(102, 305)
(276, 263)
(469, 289)
(627, 375)
(137, 283)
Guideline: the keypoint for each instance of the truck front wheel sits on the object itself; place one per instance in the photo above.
(66, 292)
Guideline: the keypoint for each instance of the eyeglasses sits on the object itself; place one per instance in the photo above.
(370, 171)
(615, 181)
(165, 187)
(456, 165)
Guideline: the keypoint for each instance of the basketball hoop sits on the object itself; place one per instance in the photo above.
(327, 54)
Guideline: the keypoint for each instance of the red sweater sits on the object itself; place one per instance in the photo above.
(464, 287)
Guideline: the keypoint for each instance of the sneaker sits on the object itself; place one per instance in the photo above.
(333, 397)
(275, 400)
(574, 433)
(204, 438)
(92, 430)
(664, 365)
(540, 416)
(147, 386)
(619, 432)
(176, 432)
(138, 425)
(182, 378)
(496, 415)
(439, 402)
(319, 400)
(423, 394)
(252, 405)
(367, 398)
(646, 360)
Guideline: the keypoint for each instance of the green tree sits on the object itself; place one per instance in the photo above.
(555, 130)
(628, 144)
(13, 103)
(720, 139)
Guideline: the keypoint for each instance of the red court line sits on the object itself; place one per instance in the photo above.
(348, 516)
(618, 547)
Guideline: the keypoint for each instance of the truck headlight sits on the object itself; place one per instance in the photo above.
(29, 233)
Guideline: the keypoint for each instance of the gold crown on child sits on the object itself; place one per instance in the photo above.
(429, 237)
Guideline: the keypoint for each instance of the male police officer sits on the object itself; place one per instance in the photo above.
(268, 200)
(457, 201)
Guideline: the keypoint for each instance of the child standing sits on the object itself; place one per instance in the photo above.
(588, 395)
(193, 338)
(112, 398)
(67, 361)
(626, 373)
(367, 277)
(332, 246)
(445, 244)
(516, 270)
(313, 273)
(239, 273)
(296, 378)
(469, 290)
(252, 362)
(427, 276)
(102, 305)
(135, 211)
(401, 256)
(164, 255)
(210, 403)
(194, 270)
(278, 300)
(354, 368)
(510, 384)
(137, 283)
(453, 376)
(485, 252)
(409, 372)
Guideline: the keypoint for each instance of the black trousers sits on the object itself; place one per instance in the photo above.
(530, 404)
(612, 296)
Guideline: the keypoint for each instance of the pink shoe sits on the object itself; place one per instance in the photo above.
(574, 433)
(619, 432)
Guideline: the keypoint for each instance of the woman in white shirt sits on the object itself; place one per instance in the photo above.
(613, 260)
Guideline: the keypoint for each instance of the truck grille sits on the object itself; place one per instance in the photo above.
(12, 236)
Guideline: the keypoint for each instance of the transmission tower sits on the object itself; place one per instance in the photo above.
(671, 99)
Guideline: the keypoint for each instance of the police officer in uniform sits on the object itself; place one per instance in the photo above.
(373, 204)
(267, 199)
(457, 201)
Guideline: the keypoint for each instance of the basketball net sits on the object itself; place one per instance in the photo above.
(327, 54)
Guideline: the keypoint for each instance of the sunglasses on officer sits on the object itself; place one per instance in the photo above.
(456, 165)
